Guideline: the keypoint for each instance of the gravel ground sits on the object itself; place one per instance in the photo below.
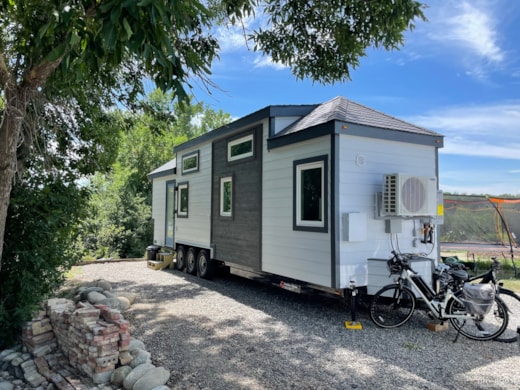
(234, 333)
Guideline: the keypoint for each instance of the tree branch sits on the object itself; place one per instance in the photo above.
(4, 72)
(39, 74)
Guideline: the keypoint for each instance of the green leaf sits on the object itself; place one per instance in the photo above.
(74, 38)
(127, 27)
(56, 53)
(43, 30)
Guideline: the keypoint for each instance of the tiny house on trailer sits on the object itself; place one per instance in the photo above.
(316, 195)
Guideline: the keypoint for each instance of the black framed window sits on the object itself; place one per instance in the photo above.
(183, 196)
(310, 194)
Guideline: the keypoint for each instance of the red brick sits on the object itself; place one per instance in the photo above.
(123, 325)
(124, 345)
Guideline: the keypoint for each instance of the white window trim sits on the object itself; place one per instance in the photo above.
(299, 169)
(188, 156)
(224, 180)
(180, 188)
(247, 138)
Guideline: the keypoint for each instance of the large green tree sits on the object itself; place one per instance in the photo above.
(118, 223)
(51, 50)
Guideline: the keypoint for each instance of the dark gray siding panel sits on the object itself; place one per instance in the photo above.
(237, 238)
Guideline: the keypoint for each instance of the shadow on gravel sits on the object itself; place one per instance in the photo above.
(262, 337)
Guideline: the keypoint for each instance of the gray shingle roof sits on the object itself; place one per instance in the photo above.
(344, 110)
(167, 168)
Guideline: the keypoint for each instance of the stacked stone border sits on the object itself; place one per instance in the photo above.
(72, 339)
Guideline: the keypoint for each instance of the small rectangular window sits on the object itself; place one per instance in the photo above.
(310, 194)
(240, 148)
(190, 162)
(226, 196)
(182, 207)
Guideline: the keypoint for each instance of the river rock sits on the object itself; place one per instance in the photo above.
(96, 297)
(136, 374)
(140, 357)
(136, 344)
(104, 284)
(155, 377)
(119, 375)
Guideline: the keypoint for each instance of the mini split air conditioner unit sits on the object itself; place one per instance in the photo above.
(409, 196)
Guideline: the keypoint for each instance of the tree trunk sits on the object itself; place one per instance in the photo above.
(10, 129)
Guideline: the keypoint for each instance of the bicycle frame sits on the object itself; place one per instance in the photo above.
(430, 298)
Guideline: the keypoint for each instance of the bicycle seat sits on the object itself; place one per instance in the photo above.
(459, 274)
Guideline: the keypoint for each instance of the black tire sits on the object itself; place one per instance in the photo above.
(191, 261)
(486, 327)
(205, 266)
(392, 306)
(180, 262)
(512, 302)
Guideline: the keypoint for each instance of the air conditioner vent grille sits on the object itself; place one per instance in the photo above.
(409, 196)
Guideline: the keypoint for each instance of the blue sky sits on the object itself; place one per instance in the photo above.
(458, 74)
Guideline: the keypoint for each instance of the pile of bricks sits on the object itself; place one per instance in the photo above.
(94, 338)
(38, 336)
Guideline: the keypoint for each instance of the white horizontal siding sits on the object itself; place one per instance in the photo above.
(300, 255)
(196, 229)
(358, 184)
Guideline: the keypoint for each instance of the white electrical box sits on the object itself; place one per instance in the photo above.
(354, 226)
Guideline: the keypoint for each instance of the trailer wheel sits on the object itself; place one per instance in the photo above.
(205, 266)
(180, 263)
(191, 261)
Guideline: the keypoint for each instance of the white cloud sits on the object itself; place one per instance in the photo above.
(465, 147)
(485, 120)
(486, 131)
(471, 27)
(467, 180)
(231, 38)
(464, 33)
(267, 62)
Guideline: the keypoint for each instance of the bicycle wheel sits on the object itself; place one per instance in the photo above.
(485, 327)
(512, 302)
(392, 306)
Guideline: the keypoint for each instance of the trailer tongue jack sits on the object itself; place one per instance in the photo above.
(353, 324)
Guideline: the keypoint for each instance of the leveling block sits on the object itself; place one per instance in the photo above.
(353, 324)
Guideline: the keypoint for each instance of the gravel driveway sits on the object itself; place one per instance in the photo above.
(234, 333)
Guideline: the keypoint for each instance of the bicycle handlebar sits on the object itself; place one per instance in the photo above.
(402, 261)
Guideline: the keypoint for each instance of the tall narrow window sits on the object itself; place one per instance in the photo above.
(182, 207)
(170, 220)
(226, 196)
(310, 194)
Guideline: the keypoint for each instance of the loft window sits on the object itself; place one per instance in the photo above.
(190, 162)
(182, 207)
(310, 194)
(226, 196)
(240, 148)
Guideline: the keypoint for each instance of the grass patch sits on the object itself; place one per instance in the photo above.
(73, 272)
(479, 263)
(512, 284)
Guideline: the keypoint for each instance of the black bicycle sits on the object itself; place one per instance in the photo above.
(473, 310)
(509, 297)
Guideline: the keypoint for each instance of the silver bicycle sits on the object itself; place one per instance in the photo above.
(477, 319)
